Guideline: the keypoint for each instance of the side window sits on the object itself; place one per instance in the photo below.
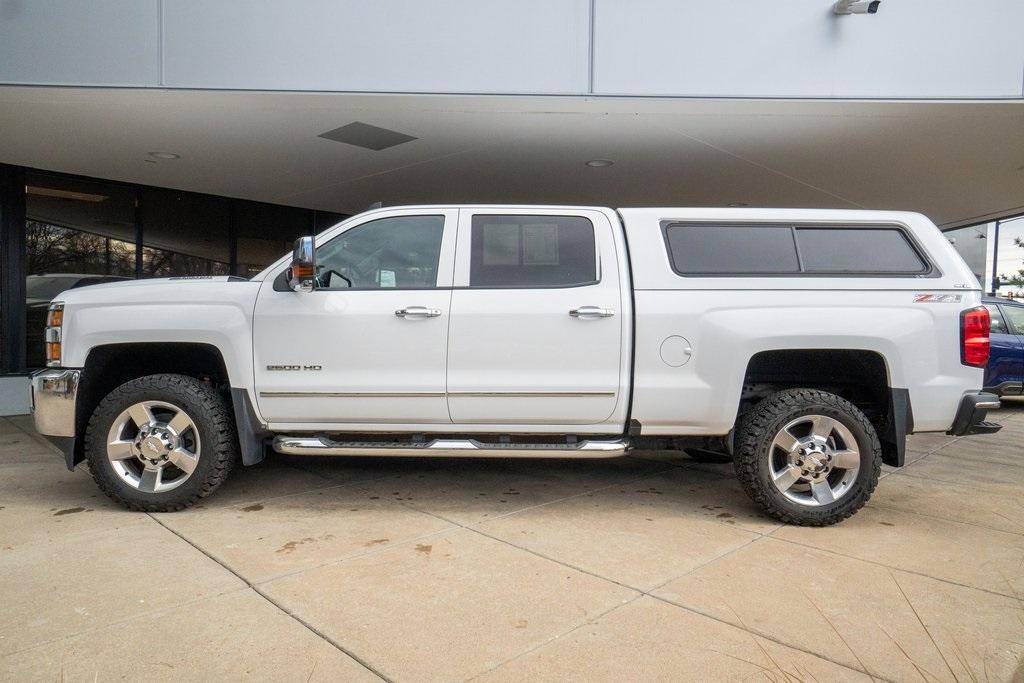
(1015, 316)
(996, 326)
(857, 250)
(532, 251)
(402, 251)
(696, 249)
(735, 249)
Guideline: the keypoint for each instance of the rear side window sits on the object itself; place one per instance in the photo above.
(721, 249)
(532, 251)
(779, 249)
(857, 250)
(1015, 314)
(996, 324)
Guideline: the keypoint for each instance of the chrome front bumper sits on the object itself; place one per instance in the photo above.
(54, 393)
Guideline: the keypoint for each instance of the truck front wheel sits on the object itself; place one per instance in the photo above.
(160, 443)
(807, 457)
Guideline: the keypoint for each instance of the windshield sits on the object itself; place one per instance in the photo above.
(48, 286)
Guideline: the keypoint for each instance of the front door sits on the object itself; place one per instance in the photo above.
(536, 335)
(368, 344)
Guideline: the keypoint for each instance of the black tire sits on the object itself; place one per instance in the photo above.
(757, 430)
(212, 418)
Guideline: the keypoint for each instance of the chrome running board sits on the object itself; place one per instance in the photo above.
(451, 448)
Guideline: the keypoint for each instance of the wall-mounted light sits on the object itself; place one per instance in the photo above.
(599, 163)
(856, 6)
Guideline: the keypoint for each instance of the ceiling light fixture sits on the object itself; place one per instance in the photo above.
(164, 155)
(737, 205)
(65, 194)
(599, 163)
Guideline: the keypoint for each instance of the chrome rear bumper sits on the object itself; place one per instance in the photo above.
(54, 395)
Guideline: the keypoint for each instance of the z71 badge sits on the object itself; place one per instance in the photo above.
(937, 298)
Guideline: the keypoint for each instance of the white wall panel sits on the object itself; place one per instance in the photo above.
(100, 42)
(799, 48)
(525, 46)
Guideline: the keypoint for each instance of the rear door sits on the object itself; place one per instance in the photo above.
(537, 319)
(1006, 361)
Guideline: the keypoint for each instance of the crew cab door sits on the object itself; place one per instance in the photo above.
(368, 344)
(538, 320)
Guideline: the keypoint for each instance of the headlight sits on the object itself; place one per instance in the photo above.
(54, 323)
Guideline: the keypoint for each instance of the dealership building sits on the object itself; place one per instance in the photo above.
(153, 138)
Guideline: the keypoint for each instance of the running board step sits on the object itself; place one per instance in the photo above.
(451, 448)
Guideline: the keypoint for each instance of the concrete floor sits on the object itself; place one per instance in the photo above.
(644, 567)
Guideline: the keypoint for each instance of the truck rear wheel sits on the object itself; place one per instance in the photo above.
(160, 443)
(807, 457)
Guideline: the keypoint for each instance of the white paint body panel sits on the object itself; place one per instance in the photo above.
(375, 367)
(522, 341)
(729, 319)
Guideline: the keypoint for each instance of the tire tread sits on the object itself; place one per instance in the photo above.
(215, 411)
(755, 426)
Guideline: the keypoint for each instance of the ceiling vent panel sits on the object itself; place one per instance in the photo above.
(366, 136)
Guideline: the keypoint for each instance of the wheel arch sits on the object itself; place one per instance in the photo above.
(861, 376)
(109, 366)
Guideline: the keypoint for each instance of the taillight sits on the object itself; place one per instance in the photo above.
(974, 341)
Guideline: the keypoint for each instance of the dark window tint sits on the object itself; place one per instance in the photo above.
(740, 249)
(403, 251)
(532, 251)
(857, 250)
(996, 324)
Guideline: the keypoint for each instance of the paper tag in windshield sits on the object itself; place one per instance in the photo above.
(387, 278)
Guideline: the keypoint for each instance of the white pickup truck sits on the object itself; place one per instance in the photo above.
(803, 344)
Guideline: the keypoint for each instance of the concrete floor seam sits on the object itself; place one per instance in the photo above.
(900, 569)
(273, 602)
(771, 638)
(648, 592)
(557, 637)
(883, 506)
(128, 620)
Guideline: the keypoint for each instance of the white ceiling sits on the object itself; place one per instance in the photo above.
(957, 162)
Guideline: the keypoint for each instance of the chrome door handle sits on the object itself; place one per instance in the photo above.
(417, 312)
(591, 312)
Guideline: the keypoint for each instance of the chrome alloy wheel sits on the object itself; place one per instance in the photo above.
(153, 446)
(814, 460)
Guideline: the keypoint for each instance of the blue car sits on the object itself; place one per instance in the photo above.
(1004, 374)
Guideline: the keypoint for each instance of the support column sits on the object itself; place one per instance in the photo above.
(13, 377)
(137, 219)
(12, 269)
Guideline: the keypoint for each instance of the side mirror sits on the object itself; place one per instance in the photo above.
(302, 273)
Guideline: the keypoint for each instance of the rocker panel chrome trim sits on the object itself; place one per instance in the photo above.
(429, 394)
(467, 448)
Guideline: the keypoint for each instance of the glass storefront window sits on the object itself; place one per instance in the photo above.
(81, 232)
(1011, 258)
(77, 233)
